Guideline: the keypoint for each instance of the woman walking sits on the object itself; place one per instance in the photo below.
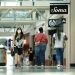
(18, 45)
(59, 40)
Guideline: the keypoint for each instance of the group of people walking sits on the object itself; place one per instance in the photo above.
(41, 40)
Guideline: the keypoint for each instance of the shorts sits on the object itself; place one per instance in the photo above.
(18, 50)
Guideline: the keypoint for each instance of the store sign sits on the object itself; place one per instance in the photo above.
(56, 22)
(58, 9)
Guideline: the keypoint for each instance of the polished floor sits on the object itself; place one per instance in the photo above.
(10, 69)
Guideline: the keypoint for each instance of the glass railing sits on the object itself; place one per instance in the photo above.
(16, 14)
(22, 15)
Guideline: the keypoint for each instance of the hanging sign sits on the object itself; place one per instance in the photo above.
(56, 22)
(58, 9)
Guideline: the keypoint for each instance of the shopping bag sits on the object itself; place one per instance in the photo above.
(12, 53)
(37, 43)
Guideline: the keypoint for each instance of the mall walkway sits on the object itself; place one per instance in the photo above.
(30, 70)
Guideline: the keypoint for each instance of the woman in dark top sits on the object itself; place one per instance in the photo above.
(18, 45)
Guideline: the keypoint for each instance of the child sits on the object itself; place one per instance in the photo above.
(26, 58)
(31, 56)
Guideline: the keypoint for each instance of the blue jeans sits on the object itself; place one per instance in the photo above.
(59, 55)
(37, 55)
(40, 54)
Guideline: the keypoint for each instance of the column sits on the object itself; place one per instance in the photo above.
(47, 54)
(68, 51)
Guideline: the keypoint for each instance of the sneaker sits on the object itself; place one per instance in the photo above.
(35, 65)
(15, 65)
(58, 67)
(42, 66)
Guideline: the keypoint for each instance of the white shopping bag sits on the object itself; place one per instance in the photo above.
(26, 61)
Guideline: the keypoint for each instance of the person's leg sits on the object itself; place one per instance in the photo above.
(36, 55)
(54, 59)
(39, 62)
(42, 53)
(19, 56)
(16, 59)
(57, 56)
(16, 56)
(61, 56)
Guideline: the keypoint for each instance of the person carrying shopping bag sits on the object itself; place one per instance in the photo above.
(40, 40)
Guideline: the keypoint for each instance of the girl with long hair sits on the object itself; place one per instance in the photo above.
(18, 45)
(59, 39)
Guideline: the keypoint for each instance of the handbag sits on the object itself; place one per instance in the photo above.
(12, 53)
(38, 42)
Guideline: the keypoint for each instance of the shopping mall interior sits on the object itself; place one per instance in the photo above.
(30, 15)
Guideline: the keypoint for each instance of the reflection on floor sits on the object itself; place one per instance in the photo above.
(10, 69)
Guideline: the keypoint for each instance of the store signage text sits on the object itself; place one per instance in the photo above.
(58, 9)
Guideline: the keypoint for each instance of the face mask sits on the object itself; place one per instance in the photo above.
(19, 31)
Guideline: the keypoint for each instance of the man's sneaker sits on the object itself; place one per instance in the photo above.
(36, 66)
(42, 66)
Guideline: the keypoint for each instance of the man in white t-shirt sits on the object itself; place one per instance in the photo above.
(59, 39)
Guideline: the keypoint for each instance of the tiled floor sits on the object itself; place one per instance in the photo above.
(11, 70)
(30, 70)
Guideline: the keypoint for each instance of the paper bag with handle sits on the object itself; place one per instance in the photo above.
(38, 42)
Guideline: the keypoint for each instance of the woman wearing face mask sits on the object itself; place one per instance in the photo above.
(18, 45)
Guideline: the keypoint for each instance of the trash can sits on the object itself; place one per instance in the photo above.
(2, 56)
